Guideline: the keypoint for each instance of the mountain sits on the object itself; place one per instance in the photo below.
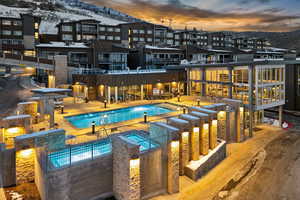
(52, 12)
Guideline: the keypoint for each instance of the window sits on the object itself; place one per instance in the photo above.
(177, 37)
(66, 28)
(89, 28)
(135, 31)
(170, 42)
(6, 22)
(118, 30)
(102, 37)
(149, 32)
(67, 37)
(6, 32)
(17, 23)
(88, 37)
(36, 35)
(117, 38)
(29, 53)
(149, 39)
(142, 32)
(110, 37)
(135, 39)
(142, 39)
(177, 43)
(78, 37)
(36, 25)
(17, 33)
(102, 28)
(170, 35)
(110, 29)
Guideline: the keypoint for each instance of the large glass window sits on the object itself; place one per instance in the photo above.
(67, 37)
(67, 28)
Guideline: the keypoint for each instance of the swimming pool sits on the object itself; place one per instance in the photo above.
(115, 116)
(71, 155)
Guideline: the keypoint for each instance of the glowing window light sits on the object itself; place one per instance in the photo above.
(196, 129)
(205, 126)
(175, 144)
(134, 163)
(185, 134)
(214, 122)
(13, 130)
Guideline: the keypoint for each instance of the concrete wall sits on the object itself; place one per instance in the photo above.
(152, 174)
(8, 166)
(61, 70)
(78, 182)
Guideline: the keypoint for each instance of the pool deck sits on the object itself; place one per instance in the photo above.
(95, 106)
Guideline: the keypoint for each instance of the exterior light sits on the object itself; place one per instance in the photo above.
(214, 122)
(205, 126)
(196, 129)
(222, 113)
(26, 153)
(185, 134)
(14, 130)
(175, 144)
(145, 117)
(242, 109)
(93, 127)
(134, 162)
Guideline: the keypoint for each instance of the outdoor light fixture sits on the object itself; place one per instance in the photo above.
(205, 126)
(13, 130)
(185, 134)
(145, 117)
(93, 127)
(196, 129)
(175, 144)
(26, 153)
(134, 161)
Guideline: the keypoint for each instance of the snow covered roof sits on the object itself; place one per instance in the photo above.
(50, 90)
(219, 50)
(63, 45)
(161, 48)
(12, 12)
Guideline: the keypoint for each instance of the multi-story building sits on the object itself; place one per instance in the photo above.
(95, 54)
(18, 35)
(191, 37)
(250, 43)
(155, 57)
(143, 33)
(86, 30)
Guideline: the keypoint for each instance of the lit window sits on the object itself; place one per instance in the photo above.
(110, 37)
(67, 37)
(6, 32)
(149, 31)
(102, 28)
(6, 22)
(36, 25)
(36, 35)
(110, 29)
(118, 30)
(17, 23)
(117, 38)
(66, 28)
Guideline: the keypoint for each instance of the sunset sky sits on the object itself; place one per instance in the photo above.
(214, 15)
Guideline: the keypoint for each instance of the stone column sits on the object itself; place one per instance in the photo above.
(188, 82)
(51, 81)
(230, 86)
(204, 139)
(142, 92)
(222, 123)
(195, 140)
(61, 69)
(184, 151)
(280, 115)
(173, 167)
(126, 169)
(7, 166)
(242, 123)
(213, 134)
(116, 95)
(203, 77)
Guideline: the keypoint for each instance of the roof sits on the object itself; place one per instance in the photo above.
(161, 48)
(63, 45)
(17, 117)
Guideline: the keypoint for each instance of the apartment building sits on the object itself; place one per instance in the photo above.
(151, 57)
(190, 37)
(18, 35)
(250, 43)
(144, 33)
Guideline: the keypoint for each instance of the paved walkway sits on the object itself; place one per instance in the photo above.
(238, 156)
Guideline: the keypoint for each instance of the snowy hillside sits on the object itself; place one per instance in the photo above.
(65, 11)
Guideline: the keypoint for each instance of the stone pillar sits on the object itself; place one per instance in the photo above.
(213, 134)
(184, 151)
(116, 95)
(126, 169)
(204, 139)
(203, 78)
(49, 109)
(184, 147)
(142, 92)
(280, 115)
(28, 108)
(173, 167)
(222, 123)
(108, 94)
(188, 91)
(195, 143)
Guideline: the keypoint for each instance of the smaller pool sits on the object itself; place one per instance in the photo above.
(144, 143)
(69, 156)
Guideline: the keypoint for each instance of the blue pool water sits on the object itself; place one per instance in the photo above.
(114, 116)
(69, 156)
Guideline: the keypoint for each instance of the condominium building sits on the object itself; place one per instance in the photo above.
(18, 35)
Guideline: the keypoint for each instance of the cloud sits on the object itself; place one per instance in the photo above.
(182, 15)
(257, 1)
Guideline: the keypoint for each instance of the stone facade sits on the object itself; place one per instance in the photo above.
(126, 169)
(204, 139)
(28, 108)
(25, 166)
